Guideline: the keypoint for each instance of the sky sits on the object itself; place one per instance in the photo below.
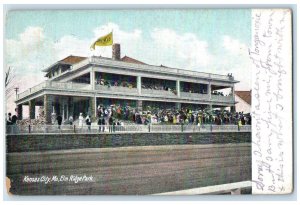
(205, 40)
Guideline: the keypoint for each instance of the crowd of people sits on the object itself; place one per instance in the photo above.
(118, 115)
(154, 85)
(116, 82)
(11, 119)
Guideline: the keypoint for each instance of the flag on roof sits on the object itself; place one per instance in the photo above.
(106, 40)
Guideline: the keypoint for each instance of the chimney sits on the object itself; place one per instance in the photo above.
(116, 51)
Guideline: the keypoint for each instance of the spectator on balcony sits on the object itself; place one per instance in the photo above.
(111, 123)
(101, 82)
(101, 123)
(139, 118)
(71, 120)
(100, 111)
(249, 120)
(106, 116)
(59, 120)
(88, 122)
(243, 120)
(80, 120)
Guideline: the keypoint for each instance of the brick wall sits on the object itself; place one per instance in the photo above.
(39, 142)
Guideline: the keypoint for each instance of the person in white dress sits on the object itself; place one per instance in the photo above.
(80, 120)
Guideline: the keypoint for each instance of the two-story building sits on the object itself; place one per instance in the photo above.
(79, 84)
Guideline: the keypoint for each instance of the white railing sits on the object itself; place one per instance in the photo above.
(69, 85)
(37, 87)
(32, 90)
(165, 128)
(57, 85)
(245, 128)
(192, 73)
(154, 128)
(158, 92)
(23, 94)
(220, 98)
(118, 89)
(194, 95)
(224, 128)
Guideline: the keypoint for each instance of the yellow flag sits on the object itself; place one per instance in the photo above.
(106, 40)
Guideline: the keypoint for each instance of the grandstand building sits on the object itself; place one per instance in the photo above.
(79, 84)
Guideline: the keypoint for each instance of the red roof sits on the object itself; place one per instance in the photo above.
(132, 60)
(244, 95)
(72, 59)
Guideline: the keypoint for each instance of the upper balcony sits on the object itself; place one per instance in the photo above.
(150, 68)
(117, 90)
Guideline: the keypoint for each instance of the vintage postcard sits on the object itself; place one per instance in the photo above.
(148, 102)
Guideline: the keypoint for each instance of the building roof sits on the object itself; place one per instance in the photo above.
(244, 95)
(72, 59)
(132, 60)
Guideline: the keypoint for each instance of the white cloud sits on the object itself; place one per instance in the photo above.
(236, 61)
(33, 50)
(234, 46)
(32, 37)
(71, 45)
(180, 50)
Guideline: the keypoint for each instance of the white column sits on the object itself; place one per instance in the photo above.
(96, 107)
(233, 92)
(232, 108)
(209, 90)
(63, 110)
(178, 88)
(209, 95)
(67, 111)
(92, 79)
(139, 84)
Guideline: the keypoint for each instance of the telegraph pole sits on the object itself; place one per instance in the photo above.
(16, 89)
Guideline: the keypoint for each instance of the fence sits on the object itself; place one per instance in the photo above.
(17, 129)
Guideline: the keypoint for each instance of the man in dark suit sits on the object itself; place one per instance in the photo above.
(59, 120)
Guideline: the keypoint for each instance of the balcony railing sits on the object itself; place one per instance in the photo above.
(153, 92)
(117, 89)
(32, 90)
(194, 96)
(23, 94)
(55, 85)
(220, 98)
(70, 85)
(125, 90)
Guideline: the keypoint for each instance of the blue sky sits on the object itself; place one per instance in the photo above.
(205, 40)
(207, 24)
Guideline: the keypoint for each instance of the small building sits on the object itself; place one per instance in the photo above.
(243, 99)
(79, 84)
